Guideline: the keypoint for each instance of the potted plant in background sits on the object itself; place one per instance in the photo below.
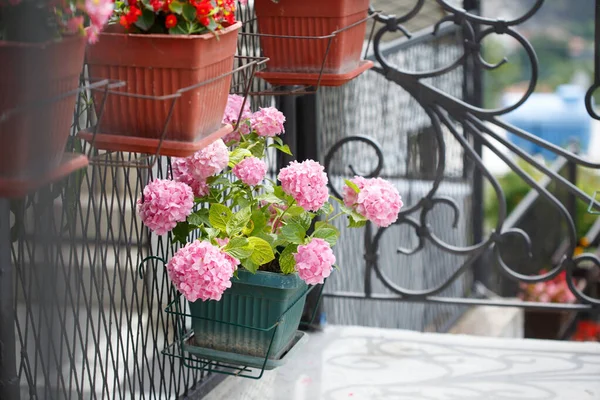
(305, 59)
(547, 324)
(163, 48)
(587, 331)
(254, 254)
(42, 47)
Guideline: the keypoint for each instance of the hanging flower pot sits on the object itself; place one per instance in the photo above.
(41, 52)
(254, 300)
(305, 60)
(253, 256)
(33, 76)
(175, 54)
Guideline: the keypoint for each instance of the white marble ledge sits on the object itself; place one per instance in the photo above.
(354, 363)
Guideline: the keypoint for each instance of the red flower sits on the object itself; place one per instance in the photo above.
(166, 5)
(156, 5)
(123, 21)
(204, 21)
(204, 8)
(230, 18)
(171, 21)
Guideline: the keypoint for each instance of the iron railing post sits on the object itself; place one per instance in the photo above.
(9, 380)
(473, 94)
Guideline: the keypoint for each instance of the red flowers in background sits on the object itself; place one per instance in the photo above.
(171, 21)
(552, 291)
(587, 331)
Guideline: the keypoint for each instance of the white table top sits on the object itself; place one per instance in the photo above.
(368, 363)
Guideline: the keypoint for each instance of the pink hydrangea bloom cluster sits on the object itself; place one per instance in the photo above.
(268, 122)
(99, 12)
(181, 173)
(165, 203)
(306, 182)
(378, 200)
(201, 271)
(232, 112)
(209, 161)
(314, 261)
(251, 171)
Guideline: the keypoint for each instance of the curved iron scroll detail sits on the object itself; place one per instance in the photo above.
(446, 112)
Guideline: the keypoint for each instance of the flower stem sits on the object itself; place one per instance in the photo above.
(281, 216)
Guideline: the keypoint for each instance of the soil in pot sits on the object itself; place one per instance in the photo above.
(32, 76)
(312, 18)
(160, 66)
(256, 300)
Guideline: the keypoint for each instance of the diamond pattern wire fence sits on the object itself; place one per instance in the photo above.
(89, 327)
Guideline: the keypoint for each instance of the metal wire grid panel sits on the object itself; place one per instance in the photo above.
(392, 118)
(86, 325)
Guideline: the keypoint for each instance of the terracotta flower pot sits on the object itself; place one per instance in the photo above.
(33, 140)
(312, 18)
(545, 324)
(161, 65)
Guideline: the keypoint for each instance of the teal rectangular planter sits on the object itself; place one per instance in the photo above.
(256, 300)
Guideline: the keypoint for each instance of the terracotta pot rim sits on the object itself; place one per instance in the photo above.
(163, 36)
(48, 43)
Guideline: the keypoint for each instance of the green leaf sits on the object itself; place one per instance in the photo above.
(270, 198)
(181, 232)
(238, 155)
(257, 149)
(179, 29)
(287, 263)
(146, 20)
(267, 237)
(238, 221)
(211, 233)
(176, 7)
(198, 218)
(356, 224)
(250, 265)
(284, 149)
(294, 211)
(219, 216)
(304, 219)
(329, 234)
(239, 248)
(189, 12)
(327, 209)
(293, 231)
(259, 220)
(263, 253)
(278, 140)
(352, 185)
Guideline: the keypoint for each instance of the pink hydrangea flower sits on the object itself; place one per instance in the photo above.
(349, 195)
(314, 261)
(232, 112)
(99, 11)
(251, 171)
(201, 271)
(165, 203)
(306, 182)
(378, 201)
(181, 173)
(268, 122)
(209, 161)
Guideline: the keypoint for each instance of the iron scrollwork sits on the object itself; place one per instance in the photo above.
(446, 112)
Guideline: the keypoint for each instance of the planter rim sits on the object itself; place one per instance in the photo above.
(164, 36)
(41, 45)
(268, 279)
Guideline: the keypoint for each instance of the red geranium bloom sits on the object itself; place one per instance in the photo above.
(171, 21)
(204, 21)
